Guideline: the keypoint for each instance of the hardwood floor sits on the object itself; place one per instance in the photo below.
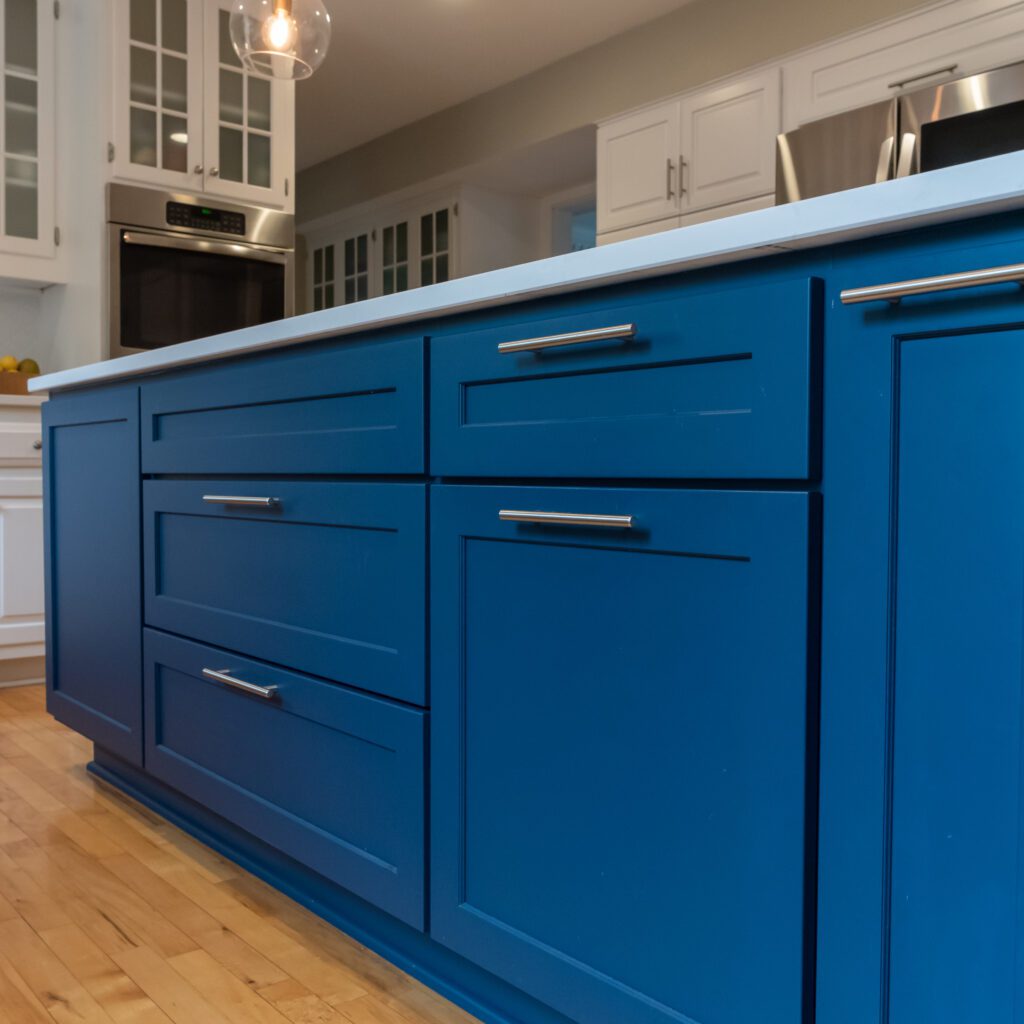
(110, 915)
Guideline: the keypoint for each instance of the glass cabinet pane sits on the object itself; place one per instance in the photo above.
(21, 198)
(259, 160)
(230, 154)
(174, 25)
(225, 50)
(142, 21)
(20, 42)
(142, 130)
(21, 114)
(259, 103)
(142, 72)
(231, 96)
(175, 143)
(175, 83)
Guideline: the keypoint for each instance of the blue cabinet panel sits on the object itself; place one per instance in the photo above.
(920, 862)
(620, 747)
(331, 777)
(715, 384)
(330, 580)
(958, 756)
(356, 407)
(93, 566)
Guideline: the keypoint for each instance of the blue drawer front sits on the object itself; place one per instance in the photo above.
(356, 407)
(333, 778)
(91, 522)
(715, 384)
(619, 751)
(331, 581)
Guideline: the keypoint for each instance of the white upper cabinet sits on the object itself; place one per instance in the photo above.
(638, 165)
(27, 94)
(250, 122)
(923, 48)
(186, 116)
(728, 142)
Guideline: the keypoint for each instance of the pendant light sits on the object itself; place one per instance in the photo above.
(280, 38)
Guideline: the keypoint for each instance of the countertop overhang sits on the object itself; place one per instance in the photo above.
(954, 193)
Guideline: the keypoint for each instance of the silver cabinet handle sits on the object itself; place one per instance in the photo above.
(682, 171)
(566, 519)
(221, 675)
(241, 499)
(573, 338)
(37, 446)
(947, 70)
(925, 285)
(668, 178)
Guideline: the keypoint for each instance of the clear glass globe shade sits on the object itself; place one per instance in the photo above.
(280, 38)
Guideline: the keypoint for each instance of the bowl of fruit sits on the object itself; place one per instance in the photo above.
(15, 374)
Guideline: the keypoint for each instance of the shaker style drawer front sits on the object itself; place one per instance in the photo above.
(620, 748)
(326, 578)
(330, 777)
(696, 384)
(353, 408)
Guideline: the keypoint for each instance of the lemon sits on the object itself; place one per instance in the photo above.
(8, 363)
(29, 366)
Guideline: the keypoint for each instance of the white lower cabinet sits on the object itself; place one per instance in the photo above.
(21, 540)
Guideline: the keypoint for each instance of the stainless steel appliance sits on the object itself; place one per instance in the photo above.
(951, 123)
(182, 269)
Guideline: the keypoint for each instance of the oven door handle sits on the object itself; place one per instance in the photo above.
(210, 245)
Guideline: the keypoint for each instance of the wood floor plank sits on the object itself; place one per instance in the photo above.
(109, 914)
(122, 999)
(49, 980)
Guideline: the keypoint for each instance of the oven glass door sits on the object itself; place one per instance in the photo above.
(175, 289)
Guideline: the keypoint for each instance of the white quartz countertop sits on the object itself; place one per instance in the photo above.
(954, 193)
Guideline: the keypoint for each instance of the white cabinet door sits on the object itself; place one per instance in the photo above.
(637, 168)
(158, 92)
(728, 141)
(959, 37)
(27, 93)
(21, 577)
(249, 122)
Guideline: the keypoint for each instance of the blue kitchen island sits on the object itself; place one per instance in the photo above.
(629, 638)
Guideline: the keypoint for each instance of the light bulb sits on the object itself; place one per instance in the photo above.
(280, 30)
(285, 39)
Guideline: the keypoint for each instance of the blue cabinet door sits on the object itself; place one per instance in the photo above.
(921, 869)
(957, 900)
(93, 569)
(622, 752)
(332, 777)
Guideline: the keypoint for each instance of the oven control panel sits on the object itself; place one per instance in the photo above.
(206, 218)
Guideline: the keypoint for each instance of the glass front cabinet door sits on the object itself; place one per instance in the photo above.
(186, 115)
(249, 121)
(27, 94)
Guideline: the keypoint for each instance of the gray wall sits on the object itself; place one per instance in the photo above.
(695, 44)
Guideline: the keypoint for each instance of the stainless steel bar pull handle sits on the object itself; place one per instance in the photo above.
(947, 70)
(241, 499)
(926, 285)
(668, 178)
(573, 338)
(566, 519)
(221, 675)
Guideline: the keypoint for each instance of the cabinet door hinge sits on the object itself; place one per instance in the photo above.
(455, 210)
(56, 236)
(110, 152)
(56, 10)
(286, 186)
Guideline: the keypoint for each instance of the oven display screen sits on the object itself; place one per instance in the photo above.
(206, 218)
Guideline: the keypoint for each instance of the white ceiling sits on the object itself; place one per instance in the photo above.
(392, 62)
